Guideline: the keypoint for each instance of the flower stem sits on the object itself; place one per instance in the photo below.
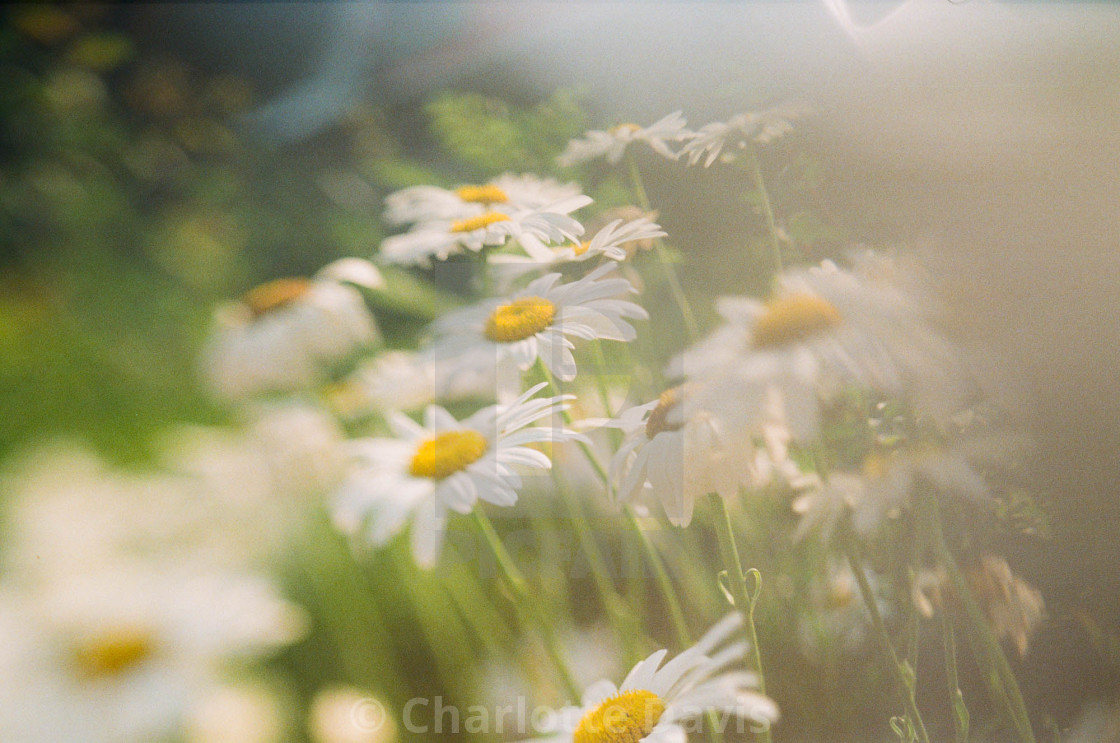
(528, 609)
(985, 645)
(767, 209)
(743, 599)
(956, 699)
(671, 278)
(903, 674)
(661, 576)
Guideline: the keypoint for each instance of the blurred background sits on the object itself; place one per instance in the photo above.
(157, 159)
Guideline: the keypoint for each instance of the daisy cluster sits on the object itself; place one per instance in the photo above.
(134, 606)
(498, 391)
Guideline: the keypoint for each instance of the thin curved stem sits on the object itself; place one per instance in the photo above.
(527, 607)
(902, 673)
(986, 646)
(671, 278)
(744, 601)
(767, 209)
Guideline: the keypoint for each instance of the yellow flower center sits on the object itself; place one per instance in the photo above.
(275, 294)
(792, 319)
(520, 319)
(658, 420)
(626, 717)
(447, 454)
(114, 651)
(482, 194)
(482, 221)
(626, 128)
(875, 466)
(581, 248)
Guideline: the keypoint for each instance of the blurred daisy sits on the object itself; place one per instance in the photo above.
(659, 703)
(837, 620)
(411, 380)
(124, 653)
(752, 126)
(536, 321)
(822, 328)
(493, 227)
(612, 143)
(506, 192)
(677, 459)
(283, 334)
(611, 242)
(883, 487)
(443, 465)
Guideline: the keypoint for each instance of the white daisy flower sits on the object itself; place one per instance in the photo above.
(677, 459)
(610, 242)
(123, 653)
(442, 238)
(822, 328)
(612, 143)
(883, 487)
(837, 620)
(537, 320)
(507, 192)
(751, 126)
(411, 380)
(658, 703)
(283, 334)
(443, 465)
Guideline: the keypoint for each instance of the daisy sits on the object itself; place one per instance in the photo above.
(751, 126)
(611, 242)
(282, 334)
(677, 459)
(536, 321)
(411, 380)
(443, 465)
(659, 703)
(124, 652)
(506, 192)
(612, 143)
(490, 228)
(821, 329)
(882, 488)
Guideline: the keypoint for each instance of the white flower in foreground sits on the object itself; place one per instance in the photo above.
(822, 328)
(349, 715)
(612, 143)
(443, 465)
(677, 459)
(610, 242)
(122, 654)
(536, 321)
(506, 192)
(283, 334)
(658, 703)
(494, 227)
(751, 126)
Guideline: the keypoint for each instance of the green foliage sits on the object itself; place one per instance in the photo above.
(490, 136)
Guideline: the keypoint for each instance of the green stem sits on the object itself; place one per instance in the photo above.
(903, 674)
(661, 576)
(743, 599)
(767, 209)
(956, 699)
(624, 620)
(527, 607)
(671, 278)
(987, 647)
